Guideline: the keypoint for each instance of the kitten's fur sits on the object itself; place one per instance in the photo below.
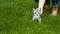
(36, 15)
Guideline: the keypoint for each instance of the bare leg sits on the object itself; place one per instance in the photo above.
(55, 7)
(54, 11)
(40, 5)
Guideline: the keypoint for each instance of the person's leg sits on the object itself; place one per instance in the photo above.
(47, 3)
(40, 5)
(55, 7)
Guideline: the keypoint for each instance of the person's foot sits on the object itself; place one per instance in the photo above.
(41, 11)
(54, 11)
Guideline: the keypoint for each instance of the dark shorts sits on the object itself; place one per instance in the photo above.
(55, 3)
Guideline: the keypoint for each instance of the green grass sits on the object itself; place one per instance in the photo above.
(15, 18)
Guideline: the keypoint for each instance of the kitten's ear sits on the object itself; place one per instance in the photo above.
(39, 10)
(33, 9)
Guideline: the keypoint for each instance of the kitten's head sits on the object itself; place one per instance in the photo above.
(36, 11)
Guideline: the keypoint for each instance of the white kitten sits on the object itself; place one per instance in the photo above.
(36, 15)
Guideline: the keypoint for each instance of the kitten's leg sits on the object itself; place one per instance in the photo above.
(40, 5)
(39, 19)
(33, 18)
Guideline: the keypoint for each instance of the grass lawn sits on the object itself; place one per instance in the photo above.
(15, 18)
